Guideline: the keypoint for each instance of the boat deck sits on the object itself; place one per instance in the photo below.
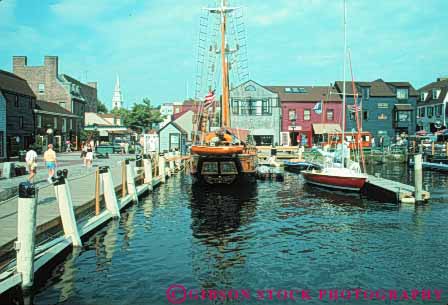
(391, 190)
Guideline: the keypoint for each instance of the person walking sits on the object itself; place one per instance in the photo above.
(84, 153)
(68, 146)
(31, 162)
(89, 156)
(50, 161)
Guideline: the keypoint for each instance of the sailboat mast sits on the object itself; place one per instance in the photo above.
(344, 80)
(225, 79)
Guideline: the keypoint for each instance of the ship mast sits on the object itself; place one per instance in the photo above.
(223, 10)
(344, 81)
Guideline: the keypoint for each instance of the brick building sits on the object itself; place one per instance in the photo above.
(19, 101)
(298, 111)
(63, 124)
(48, 85)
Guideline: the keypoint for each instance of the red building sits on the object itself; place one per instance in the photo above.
(302, 107)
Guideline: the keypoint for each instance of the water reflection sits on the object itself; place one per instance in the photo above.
(219, 221)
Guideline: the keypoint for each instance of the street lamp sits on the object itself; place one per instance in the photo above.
(49, 134)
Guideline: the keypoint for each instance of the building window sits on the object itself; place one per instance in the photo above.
(422, 112)
(64, 125)
(235, 105)
(307, 114)
(258, 107)
(16, 101)
(55, 123)
(71, 124)
(439, 110)
(430, 112)
(21, 122)
(250, 88)
(402, 93)
(365, 93)
(288, 90)
(39, 121)
(422, 96)
(435, 94)
(41, 88)
(266, 108)
(383, 105)
(62, 104)
(330, 115)
(365, 115)
(352, 116)
(403, 116)
(292, 114)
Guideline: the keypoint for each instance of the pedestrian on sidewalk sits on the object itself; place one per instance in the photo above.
(31, 162)
(84, 153)
(69, 146)
(89, 156)
(50, 161)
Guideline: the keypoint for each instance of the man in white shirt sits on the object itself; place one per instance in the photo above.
(31, 162)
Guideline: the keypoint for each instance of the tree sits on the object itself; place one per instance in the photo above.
(100, 107)
(143, 116)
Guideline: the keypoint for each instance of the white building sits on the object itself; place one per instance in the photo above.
(117, 98)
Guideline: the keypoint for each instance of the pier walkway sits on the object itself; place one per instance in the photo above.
(82, 181)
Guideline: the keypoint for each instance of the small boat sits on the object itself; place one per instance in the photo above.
(296, 166)
(217, 150)
(336, 178)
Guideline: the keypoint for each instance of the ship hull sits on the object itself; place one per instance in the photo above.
(335, 182)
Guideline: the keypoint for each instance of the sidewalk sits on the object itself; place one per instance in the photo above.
(70, 161)
(82, 184)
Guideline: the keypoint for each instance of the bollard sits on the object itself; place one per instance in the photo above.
(26, 232)
(97, 192)
(147, 164)
(433, 148)
(130, 177)
(418, 177)
(110, 197)
(64, 198)
(162, 173)
(123, 178)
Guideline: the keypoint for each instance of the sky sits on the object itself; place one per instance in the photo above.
(152, 44)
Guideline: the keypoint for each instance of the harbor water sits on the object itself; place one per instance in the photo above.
(255, 246)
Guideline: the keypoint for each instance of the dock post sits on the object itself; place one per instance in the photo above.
(162, 169)
(178, 160)
(433, 149)
(172, 168)
(26, 233)
(446, 149)
(418, 177)
(110, 197)
(64, 197)
(147, 164)
(130, 178)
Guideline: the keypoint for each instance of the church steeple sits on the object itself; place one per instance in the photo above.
(117, 99)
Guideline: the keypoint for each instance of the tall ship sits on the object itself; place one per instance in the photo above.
(225, 155)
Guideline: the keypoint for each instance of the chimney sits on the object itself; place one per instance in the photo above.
(439, 79)
(51, 65)
(18, 62)
(92, 84)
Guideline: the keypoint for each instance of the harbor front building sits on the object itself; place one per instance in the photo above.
(431, 107)
(304, 106)
(256, 108)
(386, 109)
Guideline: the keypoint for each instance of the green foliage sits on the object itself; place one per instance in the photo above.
(87, 135)
(143, 116)
(100, 107)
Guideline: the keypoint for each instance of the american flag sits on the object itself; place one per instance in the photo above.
(355, 108)
(209, 99)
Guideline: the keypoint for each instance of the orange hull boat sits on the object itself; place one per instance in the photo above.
(217, 150)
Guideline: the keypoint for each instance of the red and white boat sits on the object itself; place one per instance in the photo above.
(336, 178)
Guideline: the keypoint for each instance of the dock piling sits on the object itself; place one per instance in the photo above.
(162, 169)
(97, 192)
(123, 178)
(147, 165)
(26, 233)
(418, 177)
(130, 177)
(64, 198)
(110, 197)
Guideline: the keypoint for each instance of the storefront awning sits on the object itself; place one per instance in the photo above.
(404, 107)
(320, 128)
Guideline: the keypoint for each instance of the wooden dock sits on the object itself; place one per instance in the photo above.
(385, 189)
